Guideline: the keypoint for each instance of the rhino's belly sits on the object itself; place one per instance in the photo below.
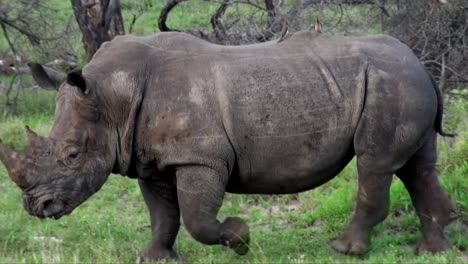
(290, 163)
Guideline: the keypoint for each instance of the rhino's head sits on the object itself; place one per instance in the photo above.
(61, 171)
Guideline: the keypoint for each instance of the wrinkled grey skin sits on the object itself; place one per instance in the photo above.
(192, 120)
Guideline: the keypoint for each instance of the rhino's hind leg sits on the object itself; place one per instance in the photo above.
(372, 207)
(433, 206)
(161, 198)
(200, 192)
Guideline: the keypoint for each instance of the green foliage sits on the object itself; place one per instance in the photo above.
(454, 152)
(456, 105)
(36, 109)
(50, 22)
(36, 104)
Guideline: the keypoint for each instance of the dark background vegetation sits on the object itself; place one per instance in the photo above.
(38, 30)
(113, 225)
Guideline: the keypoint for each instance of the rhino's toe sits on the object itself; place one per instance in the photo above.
(241, 249)
(235, 234)
(349, 246)
(152, 255)
(432, 247)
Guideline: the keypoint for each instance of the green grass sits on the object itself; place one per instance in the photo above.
(113, 225)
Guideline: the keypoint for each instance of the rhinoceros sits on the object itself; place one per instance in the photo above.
(193, 120)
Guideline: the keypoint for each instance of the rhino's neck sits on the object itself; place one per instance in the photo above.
(124, 96)
(125, 138)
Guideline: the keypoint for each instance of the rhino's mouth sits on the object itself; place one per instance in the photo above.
(43, 206)
(48, 205)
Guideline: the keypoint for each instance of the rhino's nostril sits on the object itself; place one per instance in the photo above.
(47, 205)
(52, 208)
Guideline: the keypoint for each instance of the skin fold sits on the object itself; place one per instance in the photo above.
(192, 120)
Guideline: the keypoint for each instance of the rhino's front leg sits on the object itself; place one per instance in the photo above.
(161, 198)
(201, 191)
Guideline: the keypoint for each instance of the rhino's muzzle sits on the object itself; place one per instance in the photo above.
(44, 206)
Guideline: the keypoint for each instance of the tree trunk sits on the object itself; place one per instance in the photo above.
(99, 21)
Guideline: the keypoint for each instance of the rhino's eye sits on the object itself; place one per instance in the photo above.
(73, 155)
(72, 158)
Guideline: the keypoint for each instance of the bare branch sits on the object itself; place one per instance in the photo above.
(216, 20)
(446, 67)
(5, 33)
(339, 19)
(132, 22)
(33, 38)
(165, 13)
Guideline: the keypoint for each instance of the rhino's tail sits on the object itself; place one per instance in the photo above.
(440, 110)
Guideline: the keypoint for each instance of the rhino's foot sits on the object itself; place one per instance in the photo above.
(432, 246)
(158, 255)
(351, 244)
(235, 234)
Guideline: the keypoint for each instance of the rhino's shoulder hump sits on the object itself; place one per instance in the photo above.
(169, 41)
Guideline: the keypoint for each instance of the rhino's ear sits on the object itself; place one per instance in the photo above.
(47, 78)
(76, 78)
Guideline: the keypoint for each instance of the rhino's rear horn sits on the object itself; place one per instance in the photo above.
(14, 162)
(35, 141)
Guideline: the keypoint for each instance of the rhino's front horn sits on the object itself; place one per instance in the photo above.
(35, 141)
(14, 162)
